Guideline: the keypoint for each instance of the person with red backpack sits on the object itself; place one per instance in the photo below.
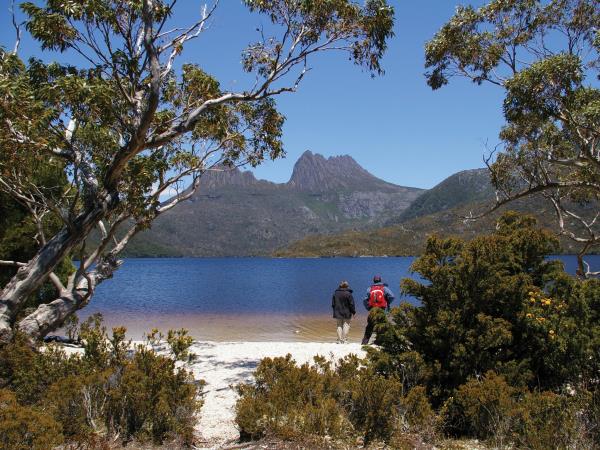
(378, 296)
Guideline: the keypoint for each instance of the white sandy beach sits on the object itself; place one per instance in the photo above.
(225, 364)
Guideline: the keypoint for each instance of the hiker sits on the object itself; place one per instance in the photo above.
(343, 310)
(378, 296)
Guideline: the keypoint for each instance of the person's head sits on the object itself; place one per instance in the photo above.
(344, 285)
(377, 279)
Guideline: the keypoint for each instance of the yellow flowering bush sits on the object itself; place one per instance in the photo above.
(495, 303)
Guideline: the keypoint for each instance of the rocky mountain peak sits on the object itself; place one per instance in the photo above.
(314, 172)
(226, 176)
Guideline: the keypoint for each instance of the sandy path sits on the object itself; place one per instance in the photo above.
(225, 364)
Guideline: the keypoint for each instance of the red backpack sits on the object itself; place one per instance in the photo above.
(377, 297)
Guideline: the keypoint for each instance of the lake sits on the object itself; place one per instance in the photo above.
(254, 299)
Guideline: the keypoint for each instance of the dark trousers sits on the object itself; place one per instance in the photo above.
(368, 330)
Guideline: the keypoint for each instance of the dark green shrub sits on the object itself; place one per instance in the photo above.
(347, 401)
(78, 402)
(92, 334)
(29, 373)
(180, 342)
(495, 303)
(149, 398)
(289, 401)
(407, 366)
(492, 410)
(548, 420)
(592, 415)
(418, 412)
(25, 428)
(374, 404)
(106, 391)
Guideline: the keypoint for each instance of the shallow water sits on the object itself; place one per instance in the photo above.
(252, 299)
(238, 327)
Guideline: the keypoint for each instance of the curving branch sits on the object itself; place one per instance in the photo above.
(143, 117)
(16, 26)
(176, 44)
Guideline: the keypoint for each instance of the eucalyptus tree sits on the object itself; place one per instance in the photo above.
(129, 124)
(545, 56)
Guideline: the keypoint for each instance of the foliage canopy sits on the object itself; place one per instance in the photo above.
(546, 57)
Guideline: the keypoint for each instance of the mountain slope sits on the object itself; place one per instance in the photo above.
(409, 238)
(462, 188)
(234, 214)
(440, 210)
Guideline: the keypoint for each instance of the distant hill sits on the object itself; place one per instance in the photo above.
(440, 210)
(462, 188)
(234, 214)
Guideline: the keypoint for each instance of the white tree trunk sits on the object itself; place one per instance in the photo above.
(49, 316)
(31, 276)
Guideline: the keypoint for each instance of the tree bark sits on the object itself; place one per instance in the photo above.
(30, 276)
(50, 316)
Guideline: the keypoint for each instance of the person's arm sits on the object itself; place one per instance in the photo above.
(333, 301)
(352, 306)
(366, 299)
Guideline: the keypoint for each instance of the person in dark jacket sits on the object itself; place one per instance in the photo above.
(378, 296)
(342, 304)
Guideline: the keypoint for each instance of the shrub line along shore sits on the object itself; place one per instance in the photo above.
(223, 365)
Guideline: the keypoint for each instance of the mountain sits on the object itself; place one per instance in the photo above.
(462, 188)
(314, 173)
(234, 214)
(440, 210)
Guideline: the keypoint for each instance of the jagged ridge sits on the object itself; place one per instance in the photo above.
(234, 214)
(315, 173)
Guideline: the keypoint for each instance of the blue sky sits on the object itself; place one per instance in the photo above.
(394, 125)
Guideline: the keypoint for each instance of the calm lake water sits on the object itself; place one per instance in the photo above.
(256, 299)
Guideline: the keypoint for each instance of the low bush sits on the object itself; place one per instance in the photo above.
(26, 428)
(549, 420)
(148, 398)
(492, 410)
(418, 413)
(78, 402)
(110, 390)
(592, 416)
(289, 401)
(343, 402)
(482, 408)
(180, 342)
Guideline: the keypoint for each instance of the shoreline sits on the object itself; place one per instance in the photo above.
(225, 328)
(126, 256)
